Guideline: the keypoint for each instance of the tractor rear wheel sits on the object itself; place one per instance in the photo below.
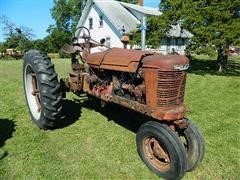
(161, 150)
(194, 143)
(42, 89)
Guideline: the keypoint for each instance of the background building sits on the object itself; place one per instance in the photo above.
(109, 19)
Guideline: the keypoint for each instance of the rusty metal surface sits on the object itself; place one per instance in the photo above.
(105, 93)
(151, 87)
(95, 59)
(162, 102)
(74, 83)
(156, 154)
(165, 63)
(78, 68)
(117, 59)
(78, 82)
(171, 87)
(36, 92)
(159, 94)
(169, 114)
(165, 85)
(165, 93)
(123, 57)
(182, 123)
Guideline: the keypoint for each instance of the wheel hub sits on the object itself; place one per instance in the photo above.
(36, 92)
(32, 92)
(156, 154)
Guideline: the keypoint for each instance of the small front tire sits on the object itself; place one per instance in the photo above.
(194, 143)
(161, 150)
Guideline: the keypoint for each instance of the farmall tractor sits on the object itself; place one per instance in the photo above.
(149, 83)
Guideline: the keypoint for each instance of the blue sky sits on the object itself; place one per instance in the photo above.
(35, 14)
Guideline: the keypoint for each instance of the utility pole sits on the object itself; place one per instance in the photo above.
(143, 32)
(143, 26)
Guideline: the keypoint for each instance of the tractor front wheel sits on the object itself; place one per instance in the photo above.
(161, 150)
(42, 89)
(193, 141)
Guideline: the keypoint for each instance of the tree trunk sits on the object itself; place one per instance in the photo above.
(222, 59)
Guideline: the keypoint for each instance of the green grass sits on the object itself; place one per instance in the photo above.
(100, 143)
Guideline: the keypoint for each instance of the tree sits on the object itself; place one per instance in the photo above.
(19, 38)
(66, 14)
(215, 24)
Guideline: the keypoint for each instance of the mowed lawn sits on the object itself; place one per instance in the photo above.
(97, 143)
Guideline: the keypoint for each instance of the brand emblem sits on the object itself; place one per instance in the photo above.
(181, 67)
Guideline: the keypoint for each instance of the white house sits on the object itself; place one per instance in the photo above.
(107, 19)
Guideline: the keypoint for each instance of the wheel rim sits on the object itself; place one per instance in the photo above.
(32, 92)
(156, 154)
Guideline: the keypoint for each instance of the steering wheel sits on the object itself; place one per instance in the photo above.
(81, 33)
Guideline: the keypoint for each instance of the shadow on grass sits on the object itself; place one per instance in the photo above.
(124, 117)
(71, 112)
(203, 67)
(7, 127)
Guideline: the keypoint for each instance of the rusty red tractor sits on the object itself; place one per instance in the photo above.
(149, 83)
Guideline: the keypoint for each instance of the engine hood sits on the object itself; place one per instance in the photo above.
(117, 59)
(166, 63)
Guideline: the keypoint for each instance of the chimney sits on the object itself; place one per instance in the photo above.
(140, 2)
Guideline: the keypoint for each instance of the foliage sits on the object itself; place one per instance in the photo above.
(19, 38)
(2, 47)
(215, 24)
(57, 39)
(18, 42)
(156, 30)
(66, 14)
(41, 44)
(94, 143)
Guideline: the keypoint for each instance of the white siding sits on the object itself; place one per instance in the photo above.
(109, 31)
(168, 44)
(106, 31)
(116, 15)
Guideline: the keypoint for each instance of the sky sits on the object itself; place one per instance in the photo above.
(35, 14)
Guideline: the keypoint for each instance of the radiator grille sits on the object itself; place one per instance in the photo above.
(171, 86)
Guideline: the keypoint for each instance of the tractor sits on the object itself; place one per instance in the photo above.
(144, 82)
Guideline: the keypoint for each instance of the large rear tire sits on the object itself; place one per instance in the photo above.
(42, 90)
(161, 150)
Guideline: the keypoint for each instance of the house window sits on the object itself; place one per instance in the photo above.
(168, 44)
(90, 23)
(101, 21)
(180, 41)
(108, 41)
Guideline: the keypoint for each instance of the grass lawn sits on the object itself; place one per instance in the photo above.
(100, 143)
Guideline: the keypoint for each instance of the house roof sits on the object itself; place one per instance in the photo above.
(142, 9)
(117, 14)
(177, 31)
(128, 15)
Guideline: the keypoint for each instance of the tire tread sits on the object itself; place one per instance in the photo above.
(49, 88)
